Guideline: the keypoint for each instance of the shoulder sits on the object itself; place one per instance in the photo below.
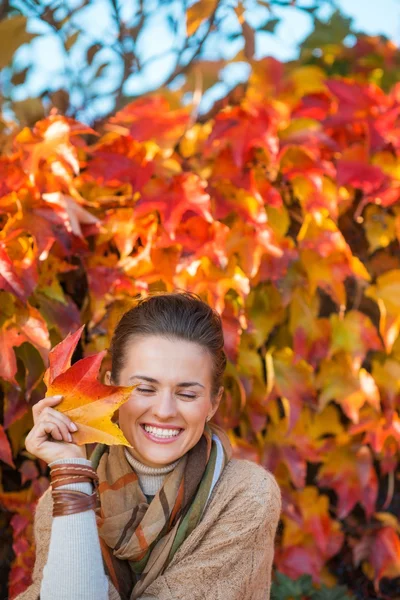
(244, 483)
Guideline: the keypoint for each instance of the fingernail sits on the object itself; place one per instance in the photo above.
(59, 396)
(73, 427)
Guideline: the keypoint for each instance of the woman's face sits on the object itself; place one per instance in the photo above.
(166, 413)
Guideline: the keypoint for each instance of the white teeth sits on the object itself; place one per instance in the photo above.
(162, 433)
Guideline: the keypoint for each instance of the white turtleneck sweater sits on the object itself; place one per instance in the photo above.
(74, 543)
(150, 478)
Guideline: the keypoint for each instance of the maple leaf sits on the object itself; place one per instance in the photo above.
(293, 381)
(151, 118)
(185, 193)
(243, 128)
(50, 141)
(340, 379)
(356, 481)
(72, 213)
(382, 551)
(367, 178)
(27, 325)
(310, 538)
(86, 401)
(354, 333)
(122, 160)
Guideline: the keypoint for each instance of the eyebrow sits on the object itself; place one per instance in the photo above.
(152, 380)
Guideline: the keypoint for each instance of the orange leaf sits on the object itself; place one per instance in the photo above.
(87, 402)
(197, 13)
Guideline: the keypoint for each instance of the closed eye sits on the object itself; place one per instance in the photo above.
(147, 391)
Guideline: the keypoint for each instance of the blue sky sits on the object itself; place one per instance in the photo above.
(371, 16)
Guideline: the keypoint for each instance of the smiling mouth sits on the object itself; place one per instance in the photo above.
(161, 433)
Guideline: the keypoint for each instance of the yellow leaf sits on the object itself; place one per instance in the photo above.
(380, 227)
(308, 80)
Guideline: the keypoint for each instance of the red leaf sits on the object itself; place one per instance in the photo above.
(367, 178)
(5, 449)
(60, 356)
(9, 280)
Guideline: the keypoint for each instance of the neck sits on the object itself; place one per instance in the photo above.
(151, 479)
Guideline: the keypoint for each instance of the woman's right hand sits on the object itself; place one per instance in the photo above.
(50, 422)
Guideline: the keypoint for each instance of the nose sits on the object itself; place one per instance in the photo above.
(165, 407)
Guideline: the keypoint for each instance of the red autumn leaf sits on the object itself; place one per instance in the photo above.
(185, 193)
(28, 471)
(5, 449)
(119, 161)
(360, 96)
(382, 551)
(15, 405)
(88, 403)
(151, 118)
(353, 477)
(310, 539)
(10, 281)
(60, 356)
(367, 178)
(242, 129)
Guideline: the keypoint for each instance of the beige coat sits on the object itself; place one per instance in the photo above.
(227, 557)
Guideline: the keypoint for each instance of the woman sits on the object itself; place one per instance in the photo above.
(179, 518)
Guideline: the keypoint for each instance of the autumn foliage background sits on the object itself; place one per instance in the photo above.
(281, 208)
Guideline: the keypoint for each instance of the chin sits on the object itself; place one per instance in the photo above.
(161, 458)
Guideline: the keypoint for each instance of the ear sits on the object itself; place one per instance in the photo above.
(107, 378)
(216, 403)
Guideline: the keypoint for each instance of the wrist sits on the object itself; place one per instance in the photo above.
(67, 499)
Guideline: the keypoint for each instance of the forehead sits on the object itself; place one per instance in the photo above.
(162, 359)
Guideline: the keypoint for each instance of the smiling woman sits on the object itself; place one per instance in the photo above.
(179, 517)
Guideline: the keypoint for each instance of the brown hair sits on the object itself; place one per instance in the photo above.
(174, 315)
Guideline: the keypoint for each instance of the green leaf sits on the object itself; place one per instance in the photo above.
(13, 34)
(334, 31)
(284, 588)
(339, 592)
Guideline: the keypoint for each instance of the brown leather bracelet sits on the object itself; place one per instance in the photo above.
(67, 502)
(72, 473)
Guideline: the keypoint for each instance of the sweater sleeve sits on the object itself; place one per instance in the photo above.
(74, 568)
(234, 558)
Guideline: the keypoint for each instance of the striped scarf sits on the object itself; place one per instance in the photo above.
(138, 540)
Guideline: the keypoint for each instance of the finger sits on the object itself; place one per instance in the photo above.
(49, 414)
(63, 427)
(41, 405)
(40, 434)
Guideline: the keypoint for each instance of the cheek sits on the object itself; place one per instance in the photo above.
(131, 410)
(195, 414)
